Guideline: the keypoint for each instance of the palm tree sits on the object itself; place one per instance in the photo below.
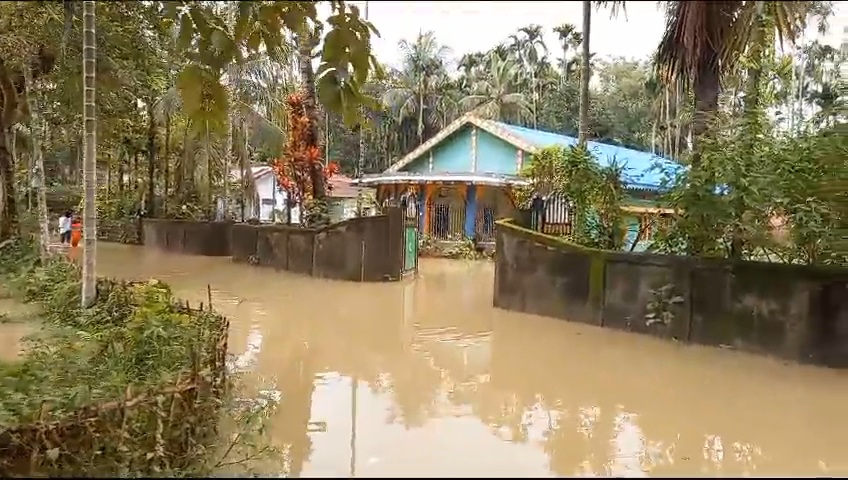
(423, 62)
(494, 96)
(703, 40)
(527, 45)
(89, 282)
(569, 38)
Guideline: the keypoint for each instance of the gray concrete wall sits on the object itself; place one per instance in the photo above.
(790, 311)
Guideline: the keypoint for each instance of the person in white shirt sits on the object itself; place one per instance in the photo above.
(65, 227)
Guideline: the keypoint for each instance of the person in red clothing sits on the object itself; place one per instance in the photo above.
(76, 231)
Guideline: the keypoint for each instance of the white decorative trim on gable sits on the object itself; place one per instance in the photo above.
(487, 125)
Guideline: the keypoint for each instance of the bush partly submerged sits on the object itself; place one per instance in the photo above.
(133, 386)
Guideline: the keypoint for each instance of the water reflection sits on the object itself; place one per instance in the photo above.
(425, 378)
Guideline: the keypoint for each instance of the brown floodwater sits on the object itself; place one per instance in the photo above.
(426, 378)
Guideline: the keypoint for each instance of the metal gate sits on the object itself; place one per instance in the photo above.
(409, 205)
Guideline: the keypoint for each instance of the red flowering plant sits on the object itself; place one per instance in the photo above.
(302, 156)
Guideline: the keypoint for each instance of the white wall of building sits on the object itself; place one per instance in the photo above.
(273, 199)
(270, 204)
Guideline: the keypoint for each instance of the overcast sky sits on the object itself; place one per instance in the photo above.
(471, 26)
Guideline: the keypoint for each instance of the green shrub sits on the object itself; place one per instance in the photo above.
(133, 386)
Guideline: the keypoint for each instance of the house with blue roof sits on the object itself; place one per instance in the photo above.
(463, 177)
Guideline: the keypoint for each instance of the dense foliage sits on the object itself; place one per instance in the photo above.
(188, 91)
(131, 386)
(301, 172)
(595, 194)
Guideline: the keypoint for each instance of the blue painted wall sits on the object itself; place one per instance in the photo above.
(494, 155)
(452, 155)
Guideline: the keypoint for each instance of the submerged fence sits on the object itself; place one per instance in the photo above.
(158, 428)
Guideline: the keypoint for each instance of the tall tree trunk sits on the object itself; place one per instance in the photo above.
(754, 120)
(208, 158)
(360, 166)
(134, 175)
(36, 131)
(306, 41)
(564, 75)
(706, 87)
(180, 184)
(166, 162)
(151, 160)
(89, 279)
(585, 73)
(121, 173)
(13, 151)
(228, 150)
(534, 88)
(109, 175)
(243, 167)
(8, 205)
(421, 109)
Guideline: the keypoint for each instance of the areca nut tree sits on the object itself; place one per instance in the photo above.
(89, 280)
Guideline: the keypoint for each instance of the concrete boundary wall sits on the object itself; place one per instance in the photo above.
(368, 249)
(790, 311)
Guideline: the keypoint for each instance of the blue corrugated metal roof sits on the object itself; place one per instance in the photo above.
(641, 169)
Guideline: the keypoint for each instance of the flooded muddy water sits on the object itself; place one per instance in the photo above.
(426, 378)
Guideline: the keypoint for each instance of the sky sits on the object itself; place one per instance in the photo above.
(469, 26)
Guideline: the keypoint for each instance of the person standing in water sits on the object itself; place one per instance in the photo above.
(65, 228)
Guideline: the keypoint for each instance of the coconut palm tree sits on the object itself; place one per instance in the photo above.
(703, 40)
(89, 281)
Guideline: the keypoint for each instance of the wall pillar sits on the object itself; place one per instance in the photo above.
(470, 210)
(426, 191)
